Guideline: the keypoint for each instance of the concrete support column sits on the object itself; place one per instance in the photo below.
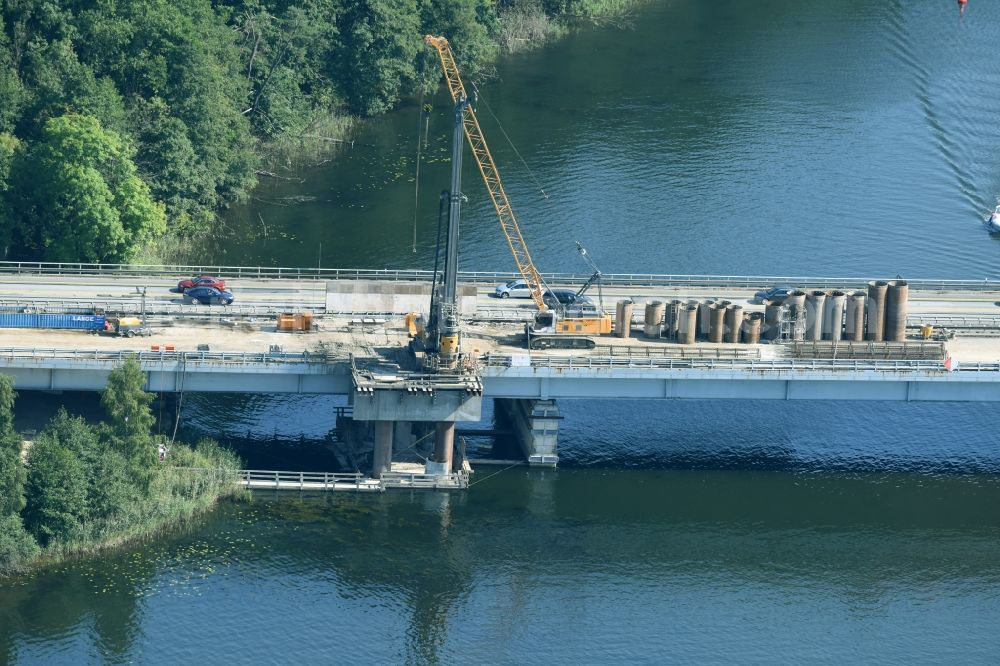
(536, 425)
(402, 436)
(382, 456)
(444, 447)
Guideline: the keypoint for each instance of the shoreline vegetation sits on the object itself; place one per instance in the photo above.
(80, 488)
(127, 126)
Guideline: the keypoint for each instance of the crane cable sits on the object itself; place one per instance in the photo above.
(482, 99)
(416, 179)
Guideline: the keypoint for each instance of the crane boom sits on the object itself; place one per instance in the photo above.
(488, 169)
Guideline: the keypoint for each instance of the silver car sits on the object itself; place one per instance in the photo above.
(513, 289)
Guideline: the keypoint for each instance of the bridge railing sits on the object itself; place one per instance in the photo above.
(484, 277)
(741, 364)
(254, 478)
(163, 356)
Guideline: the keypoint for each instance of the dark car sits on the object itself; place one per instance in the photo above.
(776, 293)
(556, 297)
(201, 281)
(208, 296)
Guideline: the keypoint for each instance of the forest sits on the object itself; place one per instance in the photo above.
(123, 121)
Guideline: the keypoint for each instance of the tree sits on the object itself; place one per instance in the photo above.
(374, 61)
(57, 491)
(77, 196)
(17, 547)
(12, 471)
(131, 419)
(111, 484)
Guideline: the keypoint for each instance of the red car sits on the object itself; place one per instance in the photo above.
(202, 281)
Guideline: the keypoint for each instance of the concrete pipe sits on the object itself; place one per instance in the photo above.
(705, 317)
(854, 318)
(896, 302)
(875, 327)
(751, 328)
(653, 321)
(795, 303)
(689, 325)
(623, 319)
(773, 312)
(717, 322)
(833, 316)
(815, 302)
(671, 318)
(734, 321)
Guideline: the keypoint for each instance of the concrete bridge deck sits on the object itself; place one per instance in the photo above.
(361, 335)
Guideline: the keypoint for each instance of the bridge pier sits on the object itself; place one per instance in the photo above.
(444, 448)
(382, 455)
(536, 426)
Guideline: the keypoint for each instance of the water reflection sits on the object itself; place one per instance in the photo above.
(435, 578)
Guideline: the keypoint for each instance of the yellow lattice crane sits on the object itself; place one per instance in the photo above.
(569, 327)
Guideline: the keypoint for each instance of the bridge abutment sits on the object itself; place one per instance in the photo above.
(536, 426)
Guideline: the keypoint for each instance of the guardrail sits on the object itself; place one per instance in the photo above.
(191, 357)
(486, 277)
(152, 307)
(261, 479)
(350, 481)
(749, 365)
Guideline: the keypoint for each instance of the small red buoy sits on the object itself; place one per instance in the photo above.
(961, 6)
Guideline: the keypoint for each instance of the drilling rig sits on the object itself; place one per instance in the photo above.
(553, 326)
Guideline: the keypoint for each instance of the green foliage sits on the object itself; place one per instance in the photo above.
(376, 55)
(130, 418)
(17, 547)
(111, 483)
(12, 476)
(198, 89)
(12, 471)
(89, 486)
(77, 196)
(56, 491)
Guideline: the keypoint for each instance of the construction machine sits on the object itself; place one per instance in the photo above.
(556, 325)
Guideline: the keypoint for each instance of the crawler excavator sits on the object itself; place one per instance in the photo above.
(555, 325)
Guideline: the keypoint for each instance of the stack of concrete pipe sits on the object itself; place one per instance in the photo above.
(878, 314)
(773, 313)
(687, 328)
(734, 322)
(833, 316)
(705, 318)
(896, 302)
(717, 322)
(875, 324)
(795, 303)
(672, 317)
(752, 327)
(854, 321)
(815, 303)
(653, 321)
(623, 318)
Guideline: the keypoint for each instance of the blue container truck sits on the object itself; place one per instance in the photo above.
(60, 321)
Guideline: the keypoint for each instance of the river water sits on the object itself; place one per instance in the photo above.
(845, 138)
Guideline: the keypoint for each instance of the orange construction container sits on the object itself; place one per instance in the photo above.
(286, 322)
(168, 347)
(154, 347)
(307, 321)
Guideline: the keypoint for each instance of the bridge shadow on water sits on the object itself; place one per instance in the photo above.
(299, 433)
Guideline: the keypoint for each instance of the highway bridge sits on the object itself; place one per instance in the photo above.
(359, 346)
